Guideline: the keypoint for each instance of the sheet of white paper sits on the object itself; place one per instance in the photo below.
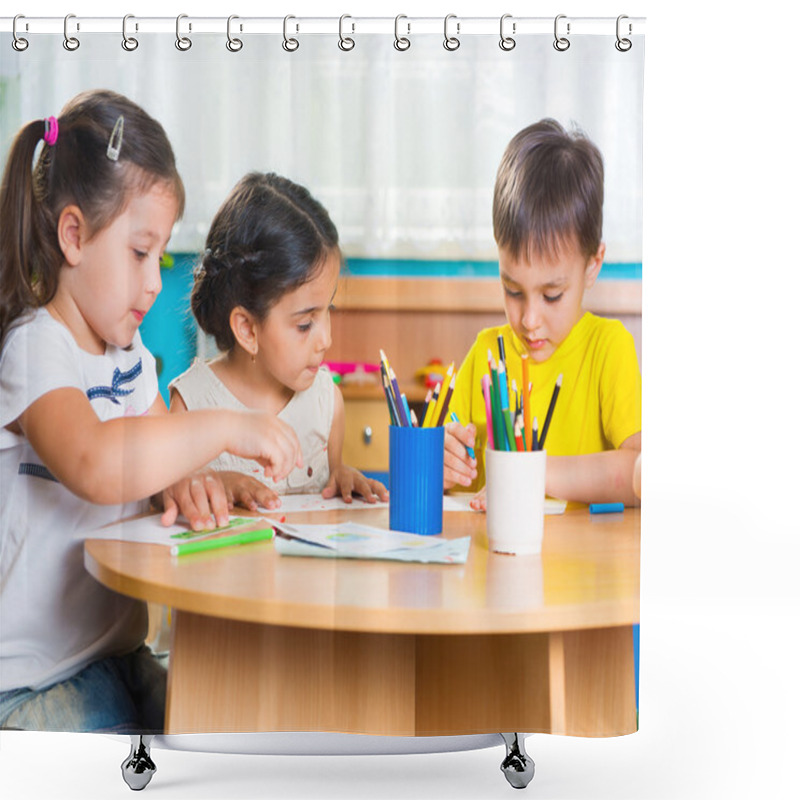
(350, 538)
(149, 530)
(448, 551)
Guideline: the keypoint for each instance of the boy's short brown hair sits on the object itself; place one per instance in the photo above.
(549, 192)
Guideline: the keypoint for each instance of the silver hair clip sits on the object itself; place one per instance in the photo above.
(115, 140)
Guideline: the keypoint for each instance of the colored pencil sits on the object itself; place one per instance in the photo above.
(501, 349)
(501, 352)
(509, 425)
(518, 434)
(499, 435)
(387, 390)
(502, 382)
(550, 409)
(406, 410)
(414, 422)
(404, 420)
(526, 394)
(427, 403)
(454, 417)
(438, 416)
(535, 434)
(446, 401)
(426, 420)
(486, 385)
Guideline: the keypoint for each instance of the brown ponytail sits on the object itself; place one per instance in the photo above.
(74, 170)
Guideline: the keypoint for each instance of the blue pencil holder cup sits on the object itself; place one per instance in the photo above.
(416, 479)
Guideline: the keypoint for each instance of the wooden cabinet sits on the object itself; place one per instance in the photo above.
(366, 433)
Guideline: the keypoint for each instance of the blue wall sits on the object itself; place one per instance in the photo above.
(168, 329)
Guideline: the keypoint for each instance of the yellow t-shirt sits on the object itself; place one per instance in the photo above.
(600, 402)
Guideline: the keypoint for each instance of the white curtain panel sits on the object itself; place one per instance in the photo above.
(401, 147)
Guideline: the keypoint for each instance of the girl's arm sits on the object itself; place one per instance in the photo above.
(130, 458)
(201, 497)
(205, 497)
(596, 477)
(346, 480)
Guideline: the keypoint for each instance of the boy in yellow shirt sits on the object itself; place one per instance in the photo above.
(548, 216)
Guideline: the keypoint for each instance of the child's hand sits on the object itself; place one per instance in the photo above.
(248, 492)
(268, 440)
(478, 502)
(201, 497)
(345, 480)
(459, 468)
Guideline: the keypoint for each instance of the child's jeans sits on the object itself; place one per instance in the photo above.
(119, 694)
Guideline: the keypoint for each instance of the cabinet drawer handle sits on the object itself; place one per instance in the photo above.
(367, 434)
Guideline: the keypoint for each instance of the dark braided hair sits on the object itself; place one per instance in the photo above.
(269, 237)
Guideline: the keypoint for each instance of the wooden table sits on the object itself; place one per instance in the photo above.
(263, 642)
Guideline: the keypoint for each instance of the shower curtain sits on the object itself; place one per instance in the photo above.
(397, 126)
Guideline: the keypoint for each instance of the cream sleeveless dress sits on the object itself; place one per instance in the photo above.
(310, 413)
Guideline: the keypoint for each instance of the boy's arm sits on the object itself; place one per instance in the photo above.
(459, 468)
(605, 477)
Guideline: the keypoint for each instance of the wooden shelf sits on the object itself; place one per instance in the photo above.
(474, 295)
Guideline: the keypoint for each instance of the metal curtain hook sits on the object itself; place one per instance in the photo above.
(506, 42)
(129, 43)
(345, 42)
(233, 44)
(70, 42)
(183, 43)
(561, 43)
(451, 42)
(19, 44)
(401, 42)
(623, 45)
(290, 44)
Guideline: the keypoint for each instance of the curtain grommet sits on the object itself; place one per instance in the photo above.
(289, 44)
(233, 44)
(129, 43)
(561, 43)
(71, 43)
(451, 43)
(507, 43)
(19, 43)
(401, 43)
(183, 43)
(623, 44)
(346, 43)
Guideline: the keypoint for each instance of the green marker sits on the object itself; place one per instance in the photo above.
(237, 522)
(263, 535)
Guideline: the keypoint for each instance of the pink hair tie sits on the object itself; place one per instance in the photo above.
(51, 130)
